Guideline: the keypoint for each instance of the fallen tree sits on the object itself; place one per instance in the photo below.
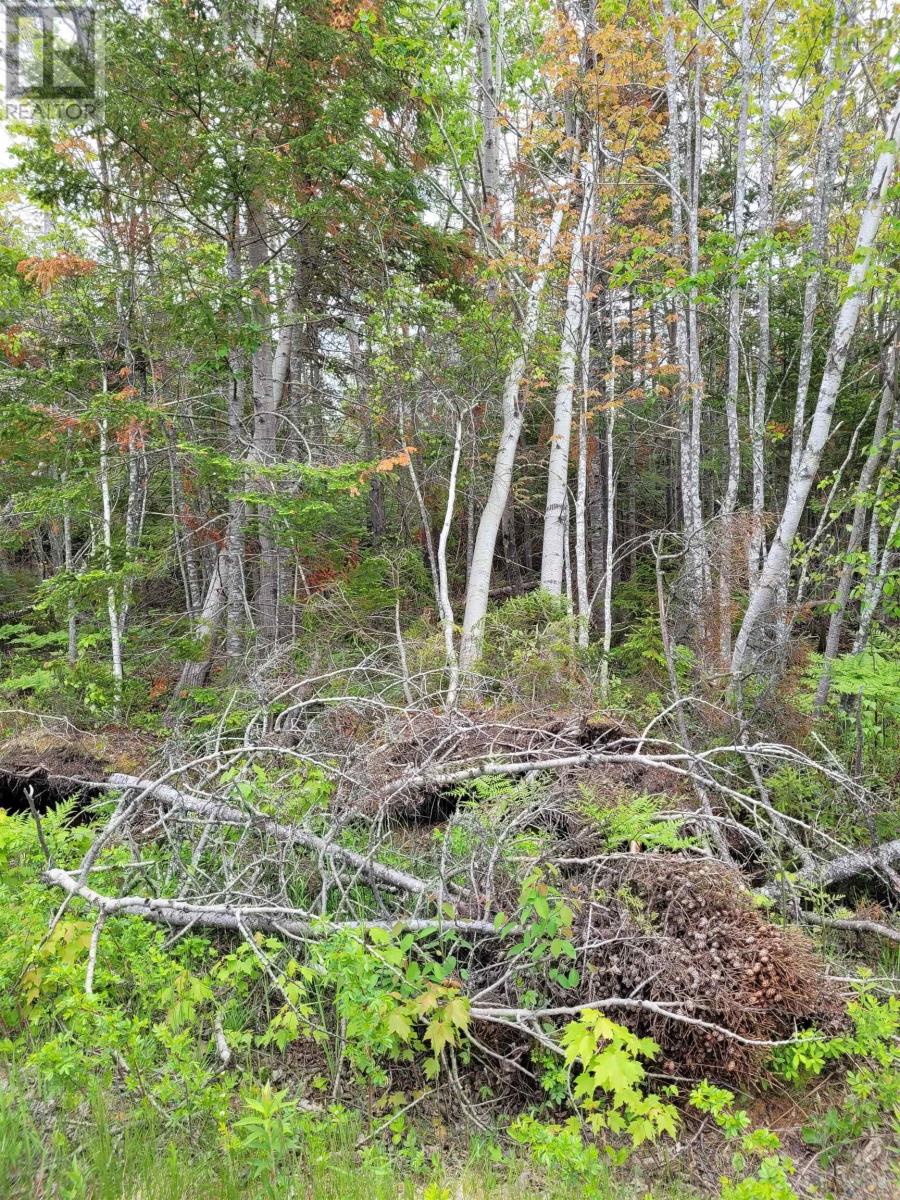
(671, 938)
(288, 835)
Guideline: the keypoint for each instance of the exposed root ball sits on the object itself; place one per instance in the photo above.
(671, 929)
(403, 765)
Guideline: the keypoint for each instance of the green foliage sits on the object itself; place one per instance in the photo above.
(270, 1133)
(875, 672)
(872, 1091)
(143, 1042)
(393, 1002)
(633, 818)
(766, 1171)
(640, 655)
(607, 1085)
(560, 1148)
(864, 701)
(529, 648)
(545, 921)
(804, 793)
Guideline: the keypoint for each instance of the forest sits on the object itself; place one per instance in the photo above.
(450, 602)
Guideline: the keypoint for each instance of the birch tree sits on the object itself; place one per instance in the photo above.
(878, 554)
(684, 177)
(857, 525)
(800, 483)
(555, 524)
(513, 413)
(729, 500)
(584, 407)
(763, 350)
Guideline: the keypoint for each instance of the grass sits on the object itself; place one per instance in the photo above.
(95, 1155)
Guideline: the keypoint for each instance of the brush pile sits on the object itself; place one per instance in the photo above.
(481, 839)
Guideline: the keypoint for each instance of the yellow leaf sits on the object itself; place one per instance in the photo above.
(457, 1012)
(398, 1024)
(440, 1034)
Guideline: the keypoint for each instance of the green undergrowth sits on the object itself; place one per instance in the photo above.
(100, 1154)
(342, 1054)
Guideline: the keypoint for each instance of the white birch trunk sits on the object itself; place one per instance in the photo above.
(698, 564)
(194, 674)
(446, 607)
(878, 564)
(423, 515)
(112, 604)
(265, 422)
(237, 508)
(608, 564)
(729, 500)
(756, 547)
(880, 570)
(135, 510)
(610, 506)
(734, 301)
(555, 526)
(490, 136)
(830, 137)
(823, 186)
(778, 559)
(69, 561)
(685, 312)
(581, 559)
(479, 583)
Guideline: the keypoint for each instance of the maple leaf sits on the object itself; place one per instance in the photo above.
(399, 1024)
(401, 459)
(439, 1033)
(457, 1012)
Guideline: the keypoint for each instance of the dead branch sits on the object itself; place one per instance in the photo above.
(853, 925)
(519, 1017)
(290, 835)
(879, 860)
(256, 918)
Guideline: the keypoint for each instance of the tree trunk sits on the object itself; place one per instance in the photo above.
(778, 558)
(860, 508)
(112, 603)
(610, 505)
(758, 416)
(236, 603)
(195, 674)
(446, 607)
(490, 136)
(479, 584)
(555, 527)
(581, 559)
(698, 565)
(688, 389)
(878, 565)
(265, 421)
(729, 500)
(830, 139)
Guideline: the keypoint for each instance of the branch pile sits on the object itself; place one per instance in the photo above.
(670, 942)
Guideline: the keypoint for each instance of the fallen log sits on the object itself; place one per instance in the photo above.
(879, 860)
(290, 835)
(853, 925)
(182, 914)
